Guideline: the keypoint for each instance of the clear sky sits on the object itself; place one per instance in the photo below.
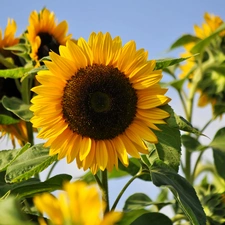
(153, 24)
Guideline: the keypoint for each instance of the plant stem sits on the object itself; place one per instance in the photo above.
(124, 189)
(50, 171)
(104, 178)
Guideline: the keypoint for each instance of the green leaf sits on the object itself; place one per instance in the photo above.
(18, 107)
(183, 40)
(184, 125)
(32, 186)
(163, 63)
(14, 73)
(131, 216)
(168, 148)
(162, 175)
(144, 217)
(133, 168)
(7, 62)
(31, 162)
(8, 156)
(190, 143)
(200, 46)
(218, 146)
(11, 212)
(137, 201)
(155, 218)
(177, 84)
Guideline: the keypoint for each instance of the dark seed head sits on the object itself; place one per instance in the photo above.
(99, 102)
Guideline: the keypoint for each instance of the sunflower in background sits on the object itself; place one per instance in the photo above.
(212, 85)
(8, 87)
(98, 102)
(71, 206)
(44, 34)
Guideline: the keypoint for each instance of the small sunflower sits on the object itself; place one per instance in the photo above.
(44, 34)
(98, 102)
(73, 206)
(8, 39)
(209, 91)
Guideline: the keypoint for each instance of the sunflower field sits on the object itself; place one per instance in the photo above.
(103, 105)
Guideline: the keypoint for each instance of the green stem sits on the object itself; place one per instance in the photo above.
(50, 171)
(196, 165)
(104, 178)
(124, 189)
(206, 125)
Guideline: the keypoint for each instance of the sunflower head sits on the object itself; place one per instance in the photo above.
(8, 39)
(98, 102)
(71, 206)
(45, 34)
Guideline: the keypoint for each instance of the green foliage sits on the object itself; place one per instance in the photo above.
(164, 63)
(163, 175)
(14, 73)
(32, 186)
(183, 40)
(218, 146)
(18, 107)
(10, 207)
(168, 149)
(32, 161)
(9, 156)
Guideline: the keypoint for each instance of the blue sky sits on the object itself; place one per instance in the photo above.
(153, 24)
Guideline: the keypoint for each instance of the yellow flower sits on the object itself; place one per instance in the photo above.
(8, 39)
(8, 87)
(98, 102)
(44, 34)
(79, 204)
(212, 22)
(15, 131)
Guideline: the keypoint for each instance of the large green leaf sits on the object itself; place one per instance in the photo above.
(218, 146)
(144, 217)
(190, 143)
(6, 117)
(14, 73)
(34, 186)
(163, 63)
(183, 40)
(32, 161)
(18, 107)
(200, 46)
(168, 148)
(155, 218)
(163, 175)
(141, 201)
(11, 213)
(8, 156)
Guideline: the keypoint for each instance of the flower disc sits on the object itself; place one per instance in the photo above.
(98, 102)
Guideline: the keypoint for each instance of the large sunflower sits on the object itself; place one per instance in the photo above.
(8, 86)
(99, 101)
(44, 34)
(73, 206)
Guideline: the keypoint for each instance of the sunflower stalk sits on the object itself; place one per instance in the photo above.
(104, 181)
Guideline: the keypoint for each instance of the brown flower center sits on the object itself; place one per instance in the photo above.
(48, 42)
(99, 102)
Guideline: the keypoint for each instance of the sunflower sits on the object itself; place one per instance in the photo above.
(211, 23)
(8, 39)
(98, 102)
(44, 34)
(71, 206)
(8, 86)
